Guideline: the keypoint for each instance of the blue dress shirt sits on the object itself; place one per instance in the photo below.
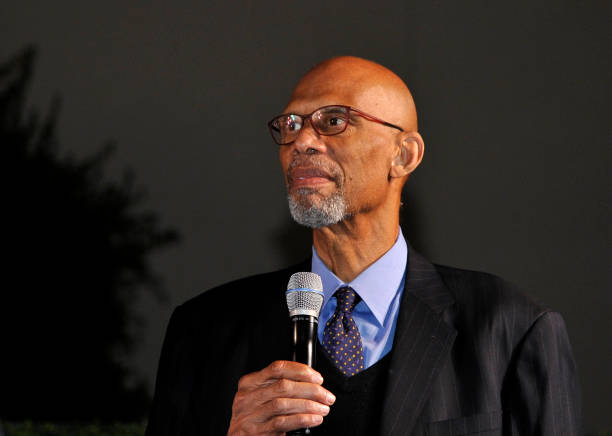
(380, 287)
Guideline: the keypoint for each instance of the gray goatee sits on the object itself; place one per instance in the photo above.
(321, 212)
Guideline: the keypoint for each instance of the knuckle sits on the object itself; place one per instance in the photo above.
(249, 428)
(279, 422)
(243, 382)
(277, 367)
(238, 401)
(282, 386)
(320, 394)
(305, 420)
(279, 404)
(310, 406)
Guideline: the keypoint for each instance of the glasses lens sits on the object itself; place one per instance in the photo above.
(286, 128)
(330, 120)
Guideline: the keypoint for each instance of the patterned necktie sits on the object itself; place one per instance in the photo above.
(341, 338)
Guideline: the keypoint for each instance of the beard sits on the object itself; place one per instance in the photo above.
(322, 212)
(308, 206)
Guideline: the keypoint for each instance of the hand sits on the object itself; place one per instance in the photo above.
(281, 397)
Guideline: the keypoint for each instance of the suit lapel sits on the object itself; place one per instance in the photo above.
(421, 344)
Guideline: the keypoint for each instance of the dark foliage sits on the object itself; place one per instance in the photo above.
(76, 248)
(29, 428)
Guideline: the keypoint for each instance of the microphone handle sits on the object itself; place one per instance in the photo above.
(304, 340)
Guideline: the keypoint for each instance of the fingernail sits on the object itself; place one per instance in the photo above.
(331, 398)
(317, 419)
(318, 378)
(324, 410)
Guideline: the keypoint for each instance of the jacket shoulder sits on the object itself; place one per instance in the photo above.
(487, 302)
(469, 286)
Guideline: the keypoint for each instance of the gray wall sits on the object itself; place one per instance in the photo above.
(514, 108)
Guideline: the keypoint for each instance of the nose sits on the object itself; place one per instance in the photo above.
(309, 141)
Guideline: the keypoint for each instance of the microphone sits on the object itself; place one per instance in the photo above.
(304, 300)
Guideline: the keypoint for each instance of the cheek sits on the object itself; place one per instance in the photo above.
(285, 159)
(367, 172)
(374, 159)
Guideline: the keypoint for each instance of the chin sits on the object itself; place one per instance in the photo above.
(312, 209)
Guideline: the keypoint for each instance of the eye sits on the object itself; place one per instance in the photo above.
(335, 121)
(331, 120)
(289, 123)
(292, 123)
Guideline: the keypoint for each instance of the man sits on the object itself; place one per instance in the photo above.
(405, 347)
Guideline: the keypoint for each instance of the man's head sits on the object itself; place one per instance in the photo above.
(331, 176)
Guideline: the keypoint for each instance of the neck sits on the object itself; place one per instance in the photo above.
(351, 246)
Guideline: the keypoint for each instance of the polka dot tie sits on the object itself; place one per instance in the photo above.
(341, 338)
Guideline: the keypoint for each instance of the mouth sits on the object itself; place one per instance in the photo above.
(299, 177)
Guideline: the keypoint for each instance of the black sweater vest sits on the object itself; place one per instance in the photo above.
(359, 399)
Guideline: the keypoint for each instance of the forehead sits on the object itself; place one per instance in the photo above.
(357, 88)
(310, 96)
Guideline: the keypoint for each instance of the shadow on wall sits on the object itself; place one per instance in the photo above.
(293, 242)
(411, 220)
(76, 247)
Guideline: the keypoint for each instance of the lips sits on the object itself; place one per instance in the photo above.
(299, 176)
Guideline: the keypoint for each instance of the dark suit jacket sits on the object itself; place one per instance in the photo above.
(471, 355)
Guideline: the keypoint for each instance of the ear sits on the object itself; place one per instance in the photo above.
(408, 154)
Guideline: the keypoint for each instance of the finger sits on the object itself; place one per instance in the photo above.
(284, 423)
(293, 371)
(291, 389)
(294, 406)
(278, 370)
(282, 398)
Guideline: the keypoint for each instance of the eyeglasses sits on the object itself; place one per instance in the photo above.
(327, 121)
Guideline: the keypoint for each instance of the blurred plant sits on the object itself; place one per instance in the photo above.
(76, 255)
(29, 428)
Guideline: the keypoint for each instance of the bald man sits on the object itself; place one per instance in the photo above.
(405, 347)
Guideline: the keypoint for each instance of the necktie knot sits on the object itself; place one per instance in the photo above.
(347, 299)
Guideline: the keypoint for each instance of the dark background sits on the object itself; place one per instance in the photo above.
(513, 102)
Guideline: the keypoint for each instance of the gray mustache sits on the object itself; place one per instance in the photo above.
(317, 162)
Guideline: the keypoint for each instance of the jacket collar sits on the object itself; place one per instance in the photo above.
(421, 346)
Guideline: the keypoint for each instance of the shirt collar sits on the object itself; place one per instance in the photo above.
(376, 285)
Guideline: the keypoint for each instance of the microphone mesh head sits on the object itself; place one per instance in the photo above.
(304, 294)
